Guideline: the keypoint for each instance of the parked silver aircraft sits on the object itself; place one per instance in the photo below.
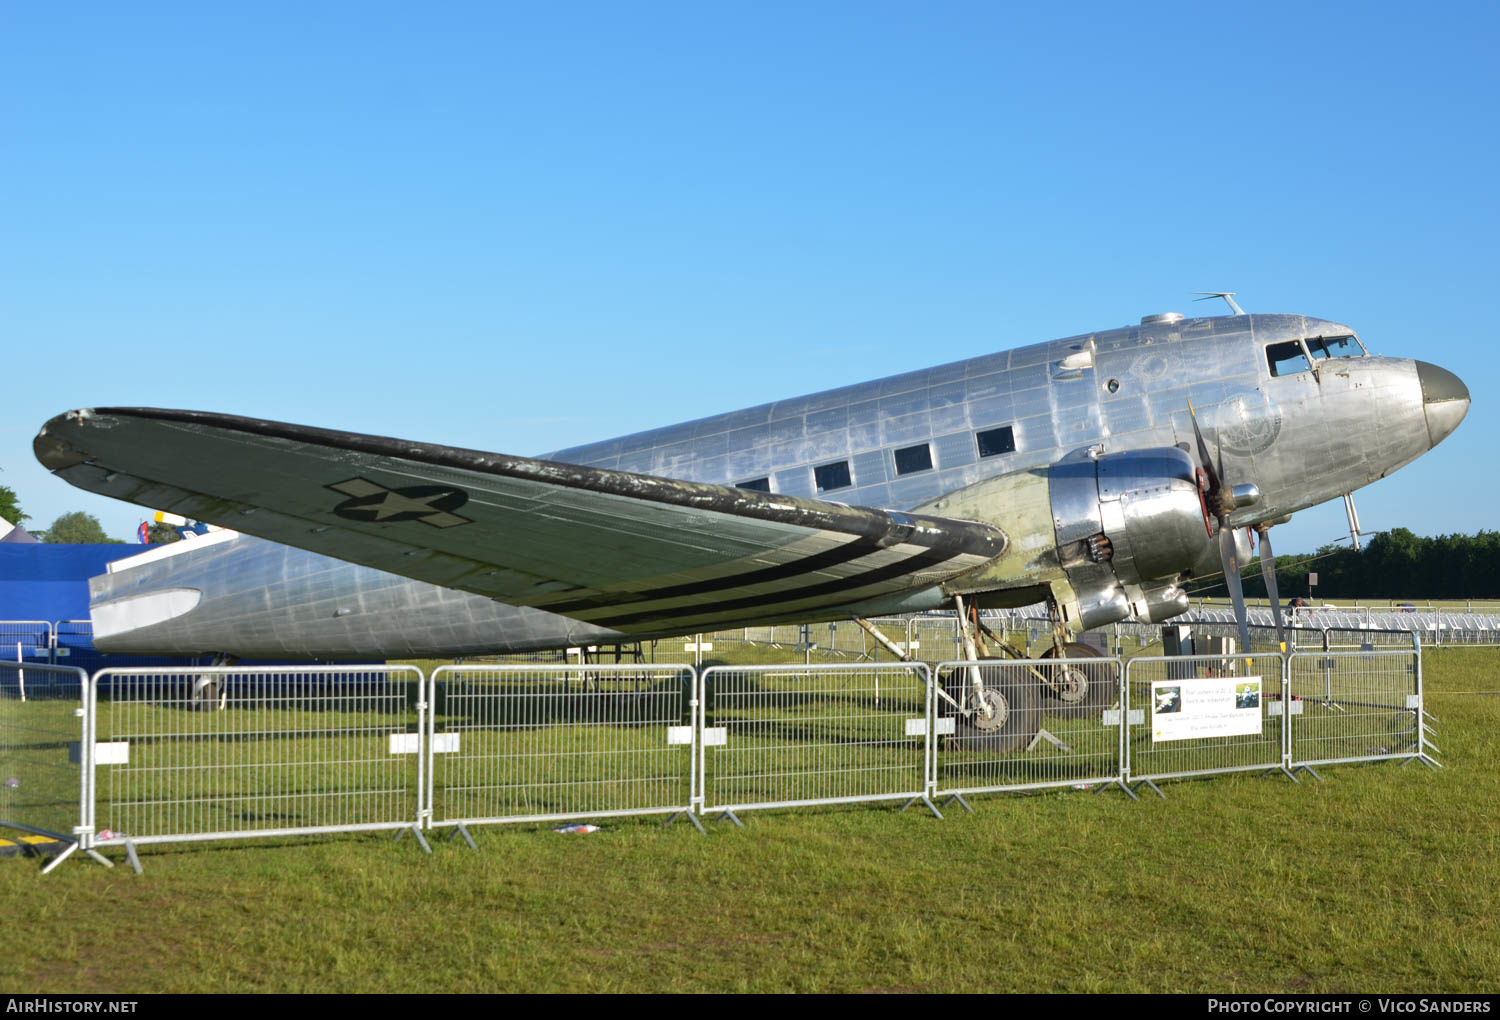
(1097, 473)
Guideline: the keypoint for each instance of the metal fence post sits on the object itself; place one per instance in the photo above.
(695, 750)
(700, 726)
(1288, 723)
(1422, 728)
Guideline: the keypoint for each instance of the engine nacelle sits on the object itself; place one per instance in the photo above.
(1128, 526)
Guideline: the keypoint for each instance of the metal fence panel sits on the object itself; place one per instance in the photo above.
(1368, 638)
(43, 725)
(220, 752)
(1355, 706)
(936, 637)
(539, 743)
(1160, 685)
(778, 736)
(26, 641)
(1036, 739)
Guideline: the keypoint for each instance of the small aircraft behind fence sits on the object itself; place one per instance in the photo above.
(1096, 473)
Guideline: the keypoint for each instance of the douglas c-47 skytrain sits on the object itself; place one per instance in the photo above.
(1096, 473)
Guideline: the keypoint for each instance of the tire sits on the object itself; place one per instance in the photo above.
(207, 695)
(1014, 717)
(1079, 690)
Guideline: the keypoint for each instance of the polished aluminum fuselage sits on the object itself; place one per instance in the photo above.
(1303, 438)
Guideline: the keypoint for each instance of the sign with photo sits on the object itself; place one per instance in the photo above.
(1227, 706)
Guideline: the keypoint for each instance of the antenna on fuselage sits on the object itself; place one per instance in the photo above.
(1227, 295)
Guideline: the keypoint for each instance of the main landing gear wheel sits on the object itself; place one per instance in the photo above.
(1003, 717)
(1076, 690)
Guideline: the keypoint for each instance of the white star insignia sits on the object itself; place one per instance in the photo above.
(430, 504)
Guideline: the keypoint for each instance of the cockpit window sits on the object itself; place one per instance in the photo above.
(1335, 347)
(1287, 358)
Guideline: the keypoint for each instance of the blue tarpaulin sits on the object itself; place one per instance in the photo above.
(43, 581)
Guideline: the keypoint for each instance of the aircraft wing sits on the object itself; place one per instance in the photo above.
(625, 551)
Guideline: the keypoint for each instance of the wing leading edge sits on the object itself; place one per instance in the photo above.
(631, 552)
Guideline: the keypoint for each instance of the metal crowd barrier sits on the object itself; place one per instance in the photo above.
(846, 639)
(1069, 736)
(788, 736)
(1356, 707)
(26, 641)
(1253, 692)
(936, 638)
(519, 743)
(150, 755)
(225, 752)
(44, 723)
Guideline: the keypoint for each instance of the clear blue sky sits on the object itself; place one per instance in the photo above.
(520, 227)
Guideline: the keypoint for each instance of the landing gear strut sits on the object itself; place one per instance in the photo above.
(998, 709)
(208, 689)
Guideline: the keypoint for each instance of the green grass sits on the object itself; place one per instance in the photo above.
(41, 786)
(1382, 878)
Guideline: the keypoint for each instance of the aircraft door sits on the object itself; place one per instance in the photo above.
(1075, 395)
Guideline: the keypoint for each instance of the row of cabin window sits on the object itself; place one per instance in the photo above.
(909, 461)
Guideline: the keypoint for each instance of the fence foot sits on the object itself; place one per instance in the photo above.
(60, 858)
(960, 799)
(133, 858)
(1115, 784)
(1288, 773)
(1309, 770)
(1154, 788)
(96, 855)
(1431, 763)
(461, 830)
(923, 798)
(732, 817)
(1044, 735)
(690, 817)
(415, 831)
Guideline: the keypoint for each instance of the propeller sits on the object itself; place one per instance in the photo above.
(1268, 572)
(1221, 500)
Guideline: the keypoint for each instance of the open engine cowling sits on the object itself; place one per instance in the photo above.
(1129, 526)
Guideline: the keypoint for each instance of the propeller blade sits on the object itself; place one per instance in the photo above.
(1220, 444)
(1203, 457)
(1231, 564)
(1268, 571)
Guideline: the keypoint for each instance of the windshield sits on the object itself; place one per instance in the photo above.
(1335, 347)
(1287, 358)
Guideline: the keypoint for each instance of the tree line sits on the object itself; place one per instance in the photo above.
(75, 527)
(1393, 564)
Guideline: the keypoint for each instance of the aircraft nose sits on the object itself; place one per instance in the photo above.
(1445, 399)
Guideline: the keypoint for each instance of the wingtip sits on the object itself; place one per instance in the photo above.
(51, 448)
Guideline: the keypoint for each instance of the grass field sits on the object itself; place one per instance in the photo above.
(1382, 878)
